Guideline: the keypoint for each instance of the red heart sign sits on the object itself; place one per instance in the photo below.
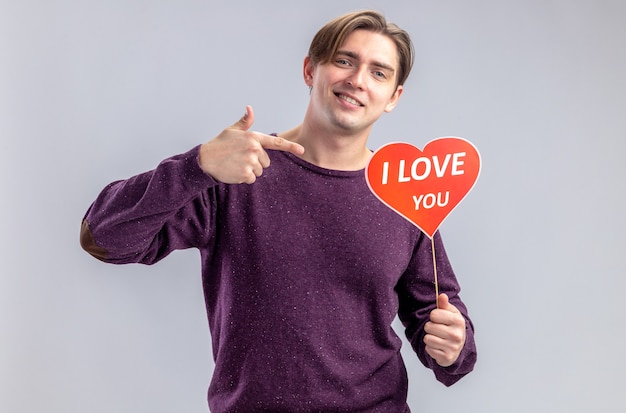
(424, 186)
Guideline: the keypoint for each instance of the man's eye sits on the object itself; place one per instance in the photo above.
(379, 74)
(343, 62)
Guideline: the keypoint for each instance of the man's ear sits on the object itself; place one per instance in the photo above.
(307, 71)
(393, 101)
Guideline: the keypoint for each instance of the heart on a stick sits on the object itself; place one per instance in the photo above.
(424, 186)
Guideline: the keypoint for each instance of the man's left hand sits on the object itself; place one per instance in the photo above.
(445, 332)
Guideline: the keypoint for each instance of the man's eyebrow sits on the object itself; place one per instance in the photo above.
(355, 56)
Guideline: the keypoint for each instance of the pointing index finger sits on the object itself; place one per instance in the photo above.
(280, 144)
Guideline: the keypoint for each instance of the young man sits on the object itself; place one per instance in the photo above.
(303, 268)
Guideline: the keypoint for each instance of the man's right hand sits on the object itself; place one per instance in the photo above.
(237, 155)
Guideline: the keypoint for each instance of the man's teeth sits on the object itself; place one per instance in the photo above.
(349, 100)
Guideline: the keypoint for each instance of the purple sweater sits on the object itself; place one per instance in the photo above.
(303, 273)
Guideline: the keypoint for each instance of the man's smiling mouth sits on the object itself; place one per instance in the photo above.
(349, 99)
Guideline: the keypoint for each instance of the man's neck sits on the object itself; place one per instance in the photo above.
(331, 150)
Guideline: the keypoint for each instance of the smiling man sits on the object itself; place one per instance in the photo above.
(304, 270)
(349, 92)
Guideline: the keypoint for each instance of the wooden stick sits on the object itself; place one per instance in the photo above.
(432, 241)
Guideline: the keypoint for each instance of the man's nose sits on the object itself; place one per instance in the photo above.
(357, 78)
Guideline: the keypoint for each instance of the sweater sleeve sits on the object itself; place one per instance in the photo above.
(144, 218)
(417, 299)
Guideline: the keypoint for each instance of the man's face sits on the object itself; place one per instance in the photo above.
(358, 85)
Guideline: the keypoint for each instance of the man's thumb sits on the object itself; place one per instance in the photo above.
(443, 301)
(246, 120)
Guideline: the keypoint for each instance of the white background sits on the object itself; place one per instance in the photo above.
(94, 91)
